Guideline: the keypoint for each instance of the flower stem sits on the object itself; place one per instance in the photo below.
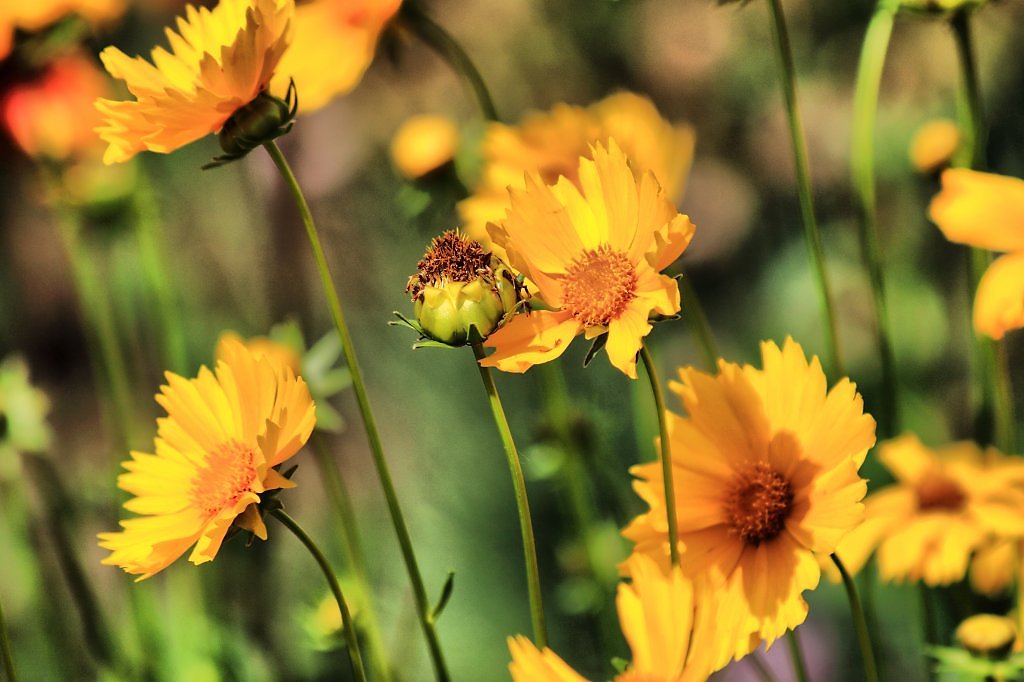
(862, 164)
(334, 484)
(369, 422)
(799, 667)
(803, 176)
(860, 624)
(5, 649)
(346, 618)
(446, 46)
(666, 455)
(694, 312)
(540, 634)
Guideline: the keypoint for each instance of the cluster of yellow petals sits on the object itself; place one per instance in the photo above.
(35, 15)
(219, 61)
(947, 504)
(214, 454)
(766, 477)
(986, 211)
(593, 253)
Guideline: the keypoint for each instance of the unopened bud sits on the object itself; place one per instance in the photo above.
(987, 635)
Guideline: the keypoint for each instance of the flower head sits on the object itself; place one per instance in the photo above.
(594, 254)
(934, 145)
(424, 144)
(220, 61)
(766, 474)
(38, 14)
(215, 453)
(987, 211)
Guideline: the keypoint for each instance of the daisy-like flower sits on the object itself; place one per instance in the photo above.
(675, 630)
(38, 14)
(987, 211)
(593, 254)
(947, 504)
(220, 61)
(214, 455)
(766, 474)
(335, 41)
(550, 144)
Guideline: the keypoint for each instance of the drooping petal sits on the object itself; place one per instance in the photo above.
(530, 339)
(999, 302)
(980, 209)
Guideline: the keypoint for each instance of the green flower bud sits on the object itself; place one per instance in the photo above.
(265, 118)
(459, 288)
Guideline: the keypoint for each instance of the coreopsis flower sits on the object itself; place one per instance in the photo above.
(423, 144)
(986, 652)
(214, 456)
(933, 145)
(594, 254)
(987, 211)
(765, 466)
(946, 504)
(550, 144)
(334, 44)
(214, 78)
(38, 14)
(674, 628)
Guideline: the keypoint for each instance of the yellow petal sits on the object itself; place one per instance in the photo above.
(999, 302)
(980, 209)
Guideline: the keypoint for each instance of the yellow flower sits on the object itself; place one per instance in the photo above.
(422, 144)
(594, 256)
(993, 567)
(220, 61)
(214, 454)
(674, 628)
(334, 44)
(551, 143)
(987, 211)
(35, 15)
(947, 503)
(934, 144)
(765, 470)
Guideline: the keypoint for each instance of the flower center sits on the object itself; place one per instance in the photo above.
(936, 492)
(228, 473)
(759, 504)
(452, 257)
(598, 285)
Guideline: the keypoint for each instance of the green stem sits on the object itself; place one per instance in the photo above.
(975, 131)
(1006, 426)
(799, 667)
(446, 46)
(540, 634)
(5, 649)
(369, 422)
(862, 163)
(666, 454)
(812, 235)
(337, 491)
(348, 626)
(860, 625)
(694, 312)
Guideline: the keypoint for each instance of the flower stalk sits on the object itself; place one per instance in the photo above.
(694, 312)
(5, 649)
(860, 624)
(797, 656)
(665, 454)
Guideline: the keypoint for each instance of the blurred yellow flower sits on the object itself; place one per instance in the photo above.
(214, 454)
(279, 354)
(766, 474)
(947, 503)
(334, 44)
(993, 568)
(35, 15)
(934, 144)
(550, 144)
(422, 144)
(220, 61)
(986, 211)
(594, 255)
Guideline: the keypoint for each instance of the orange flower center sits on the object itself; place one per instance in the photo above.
(759, 504)
(936, 493)
(599, 285)
(229, 472)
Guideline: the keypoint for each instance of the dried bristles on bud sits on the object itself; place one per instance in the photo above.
(452, 257)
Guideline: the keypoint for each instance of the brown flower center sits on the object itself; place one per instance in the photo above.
(229, 472)
(598, 286)
(759, 504)
(452, 257)
(936, 492)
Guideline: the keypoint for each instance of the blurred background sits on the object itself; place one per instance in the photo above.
(231, 255)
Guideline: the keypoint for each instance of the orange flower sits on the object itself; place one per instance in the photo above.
(594, 256)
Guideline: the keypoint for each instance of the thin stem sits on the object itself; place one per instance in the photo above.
(665, 455)
(348, 626)
(799, 667)
(862, 164)
(5, 649)
(540, 634)
(694, 312)
(975, 130)
(860, 625)
(1006, 425)
(439, 40)
(334, 484)
(812, 235)
(373, 435)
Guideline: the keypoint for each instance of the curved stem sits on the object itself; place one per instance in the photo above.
(694, 312)
(812, 235)
(862, 164)
(860, 624)
(5, 649)
(666, 454)
(797, 656)
(347, 625)
(540, 634)
(443, 44)
(369, 422)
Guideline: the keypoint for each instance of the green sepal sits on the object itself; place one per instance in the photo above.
(446, 594)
